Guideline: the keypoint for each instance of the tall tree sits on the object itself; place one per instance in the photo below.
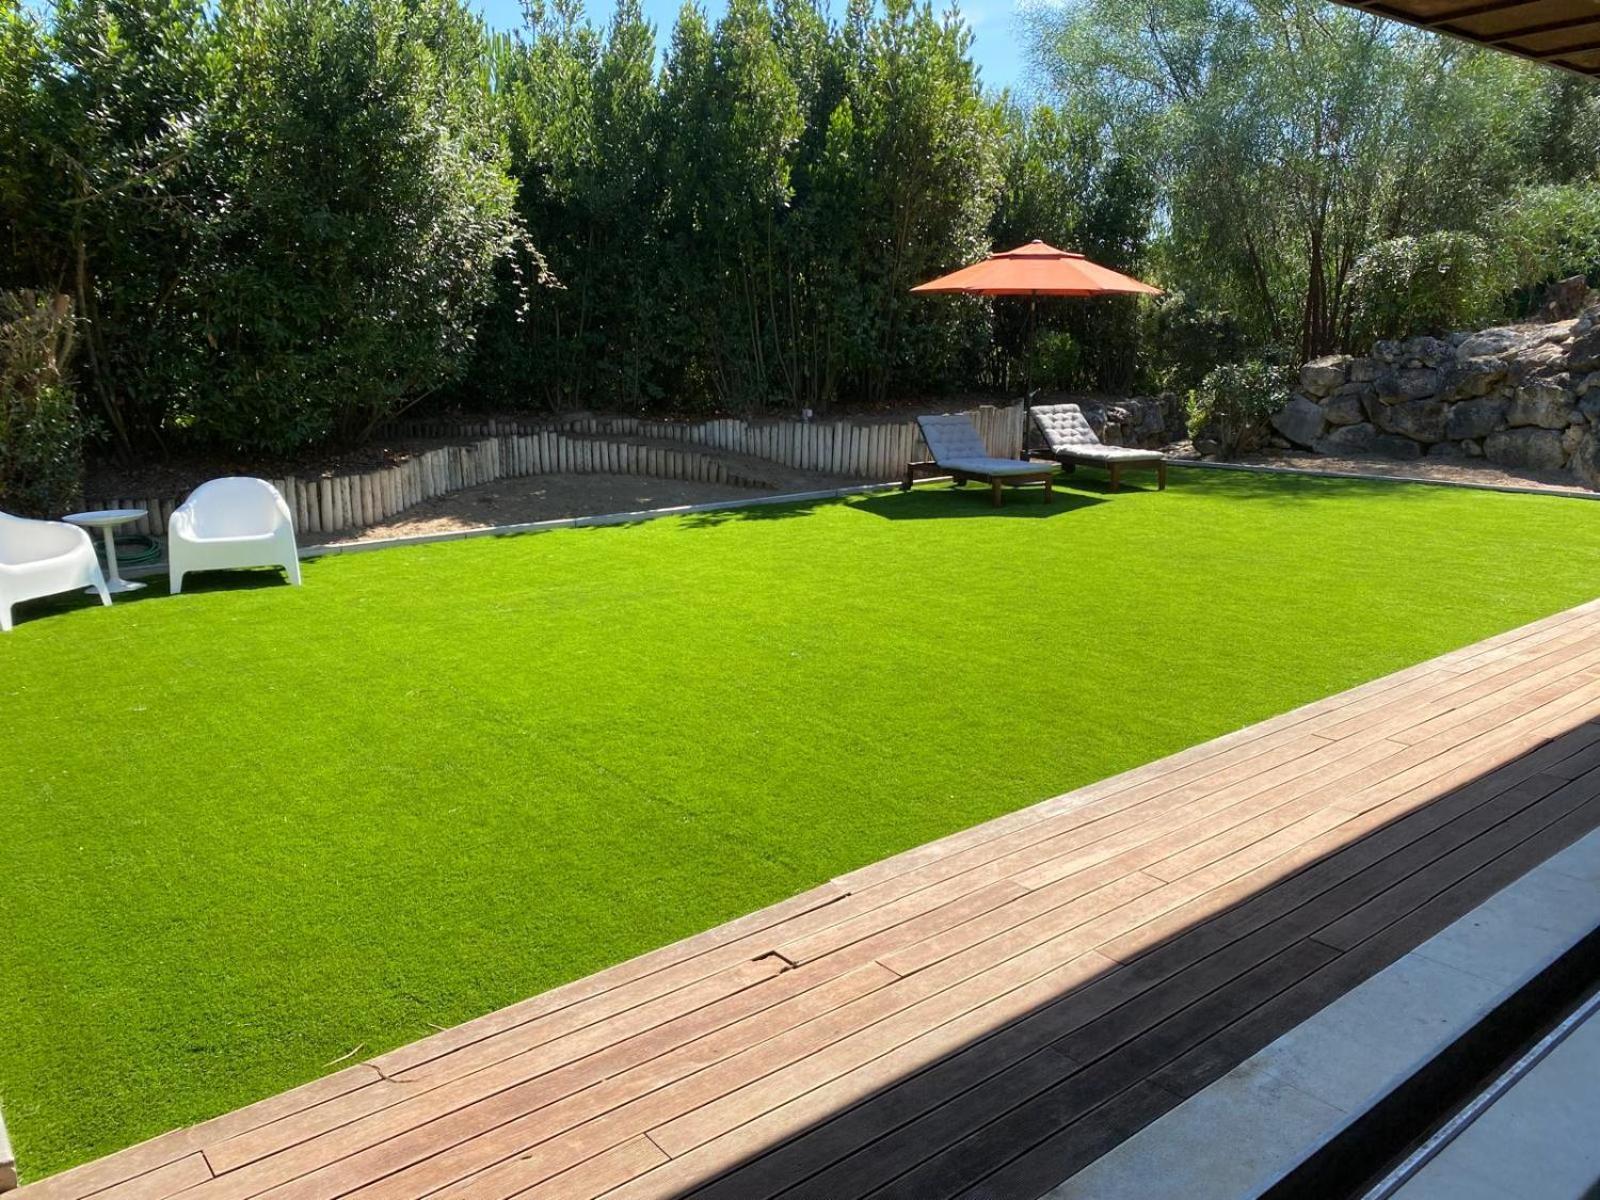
(362, 205)
(1288, 136)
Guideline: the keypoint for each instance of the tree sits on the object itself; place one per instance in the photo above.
(1067, 184)
(361, 205)
(1288, 137)
(96, 182)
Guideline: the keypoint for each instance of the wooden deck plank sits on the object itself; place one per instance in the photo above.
(981, 1015)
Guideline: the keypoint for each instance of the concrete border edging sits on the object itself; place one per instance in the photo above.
(622, 518)
(1247, 1132)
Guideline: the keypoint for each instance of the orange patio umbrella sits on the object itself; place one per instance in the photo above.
(1035, 270)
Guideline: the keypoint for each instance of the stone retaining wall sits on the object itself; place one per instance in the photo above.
(1522, 396)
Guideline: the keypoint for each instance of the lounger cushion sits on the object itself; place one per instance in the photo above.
(1068, 432)
(997, 466)
(951, 437)
(955, 445)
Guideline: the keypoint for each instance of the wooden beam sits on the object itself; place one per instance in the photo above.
(1460, 14)
(1561, 51)
(1510, 35)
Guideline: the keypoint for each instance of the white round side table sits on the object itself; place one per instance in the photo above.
(105, 520)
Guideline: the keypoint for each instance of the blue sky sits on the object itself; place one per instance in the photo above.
(996, 46)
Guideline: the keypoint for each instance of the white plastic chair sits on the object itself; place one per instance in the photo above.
(41, 558)
(233, 522)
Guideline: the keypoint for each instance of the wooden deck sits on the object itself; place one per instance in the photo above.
(981, 1016)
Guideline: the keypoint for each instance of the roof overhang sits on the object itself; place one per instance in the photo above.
(1560, 33)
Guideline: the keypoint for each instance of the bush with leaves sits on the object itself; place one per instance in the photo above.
(1547, 233)
(1429, 284)
(41, 436)
(1182, 340)
(1233, 403)
(362, 208)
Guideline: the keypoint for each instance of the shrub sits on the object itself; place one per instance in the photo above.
(1234, 401)
(1430, 284)
(364, 207)
(41, 437)
(1547, 233)
(1183, 341)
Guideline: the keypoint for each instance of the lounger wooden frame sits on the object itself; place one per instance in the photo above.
(1045, 475)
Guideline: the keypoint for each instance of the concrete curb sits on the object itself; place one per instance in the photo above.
(622, 518)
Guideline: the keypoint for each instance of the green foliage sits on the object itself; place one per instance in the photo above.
(1065, 184)
(332, 298)
(1289, 137)
(287, 220)
(278, 219)
(782, 179)
(1182, 342)
(41, 452)
(96, 182)
(1547, 233)
(1234, 401)
(1429, 284)
(697, 720)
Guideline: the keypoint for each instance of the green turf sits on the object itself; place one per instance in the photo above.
(250, 831)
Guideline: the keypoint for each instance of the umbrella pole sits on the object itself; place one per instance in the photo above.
(1027, 370)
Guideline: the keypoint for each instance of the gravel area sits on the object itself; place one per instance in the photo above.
(522, 500)
(1447, 470)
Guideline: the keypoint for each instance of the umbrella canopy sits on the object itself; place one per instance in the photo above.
(1037, 270)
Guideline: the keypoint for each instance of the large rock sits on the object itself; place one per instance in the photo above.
(1407, 383)
(1423, 420)
(1589, 383)
(1425, 352)
(1348, 439)
(1345, 408)
(1585, 461)
(1542, 403)
(1389, 445)
(1321, 375)
(1470, 377)
(1531, 449)
(1563, 299)
(1584, 352)
(1300, 421)
(1493, 343)
(1476, 418)
(1538, 361)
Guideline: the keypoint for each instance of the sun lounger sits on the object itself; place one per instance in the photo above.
(959, 452)
(1072, 441)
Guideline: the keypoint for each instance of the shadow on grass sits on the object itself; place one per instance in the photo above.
(945, 502)
(197, 583)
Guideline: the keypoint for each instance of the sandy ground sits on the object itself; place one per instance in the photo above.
(519, 501)
(1449, 470)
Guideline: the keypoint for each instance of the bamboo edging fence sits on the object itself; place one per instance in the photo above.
(596, 445)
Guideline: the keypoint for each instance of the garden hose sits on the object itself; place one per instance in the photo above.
(136, 549)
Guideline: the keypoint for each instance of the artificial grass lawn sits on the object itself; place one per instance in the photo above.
(252, 830)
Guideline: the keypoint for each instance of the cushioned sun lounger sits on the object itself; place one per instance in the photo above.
(1072, 441)
(959, 452)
